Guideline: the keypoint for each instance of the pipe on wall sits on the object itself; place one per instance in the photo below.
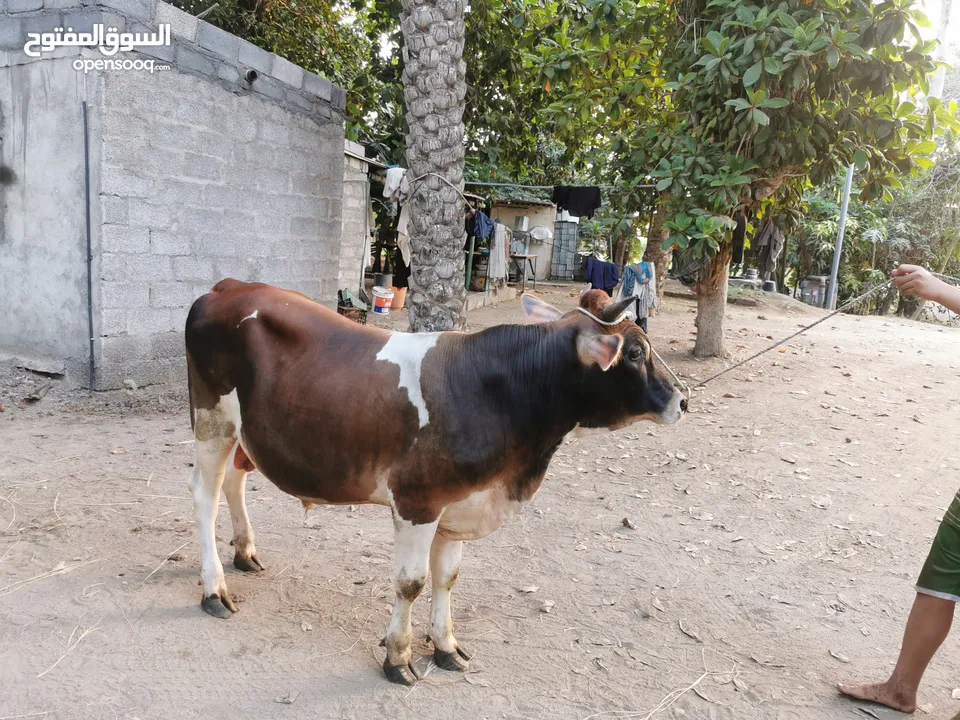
(86, 183)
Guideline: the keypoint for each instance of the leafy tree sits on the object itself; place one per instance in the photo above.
(776, 96)
(918, 224)
(734, 106)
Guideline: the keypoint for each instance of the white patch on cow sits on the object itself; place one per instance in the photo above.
(251, 316)
(231, 408)
(479, 514)
(407, 350)
(382, 495)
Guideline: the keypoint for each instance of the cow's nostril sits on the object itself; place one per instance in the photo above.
(683, 405)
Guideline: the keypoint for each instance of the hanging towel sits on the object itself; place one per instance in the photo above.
(482, 225)
(497, 268)
(396, 187)
(578, 201)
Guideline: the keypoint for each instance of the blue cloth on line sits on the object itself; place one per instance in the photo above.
(602, 275)
(482, 225)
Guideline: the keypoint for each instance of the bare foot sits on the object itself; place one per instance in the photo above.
(882, 694)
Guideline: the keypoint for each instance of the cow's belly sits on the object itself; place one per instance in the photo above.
(479, 514)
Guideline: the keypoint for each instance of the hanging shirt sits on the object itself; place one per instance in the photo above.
(578, 201)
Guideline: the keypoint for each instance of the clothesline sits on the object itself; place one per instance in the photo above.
(540, 187)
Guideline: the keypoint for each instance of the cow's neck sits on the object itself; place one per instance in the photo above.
(539, 380)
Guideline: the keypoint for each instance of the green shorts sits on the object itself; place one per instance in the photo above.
(940, 576)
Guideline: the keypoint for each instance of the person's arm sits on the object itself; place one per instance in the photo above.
(915, 280)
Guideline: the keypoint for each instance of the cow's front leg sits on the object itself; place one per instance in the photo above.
(411, 557)
(444, 567)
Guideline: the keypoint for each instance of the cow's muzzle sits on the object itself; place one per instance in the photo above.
(674, 411)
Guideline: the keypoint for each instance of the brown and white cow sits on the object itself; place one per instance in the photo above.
(466, 425)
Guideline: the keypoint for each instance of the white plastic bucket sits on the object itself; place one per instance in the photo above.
(382, 300)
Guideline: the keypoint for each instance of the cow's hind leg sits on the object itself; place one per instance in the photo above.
(205, 483)
(444, 567)
(411, 559)
(234, 487)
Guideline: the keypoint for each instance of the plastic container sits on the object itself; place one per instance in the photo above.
(399, 297)
(382, 300)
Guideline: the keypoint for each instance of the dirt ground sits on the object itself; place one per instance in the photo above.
(776, 536)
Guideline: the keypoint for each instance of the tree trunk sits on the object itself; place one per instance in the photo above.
(434, 88)
(620, 249)
(654, 251)
(712, 305)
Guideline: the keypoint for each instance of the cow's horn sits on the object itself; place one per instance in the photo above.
(614, 310)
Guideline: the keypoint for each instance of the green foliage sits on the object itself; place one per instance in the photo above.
(919, 224)
(731, 103)
(714, 106)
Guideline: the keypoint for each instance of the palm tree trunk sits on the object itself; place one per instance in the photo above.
(434, 88)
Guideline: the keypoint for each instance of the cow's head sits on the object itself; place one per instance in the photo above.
(620, 383)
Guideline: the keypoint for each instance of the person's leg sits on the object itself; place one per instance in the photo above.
(938, 591)
(642, 322)
(927, 628)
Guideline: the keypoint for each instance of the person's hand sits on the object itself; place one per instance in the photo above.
(915, 280)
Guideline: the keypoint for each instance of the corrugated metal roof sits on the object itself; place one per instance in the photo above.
(514, 202)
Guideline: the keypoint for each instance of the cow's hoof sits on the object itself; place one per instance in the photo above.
(248, 564)
(220, 606)
(401, 674)
(456, 661)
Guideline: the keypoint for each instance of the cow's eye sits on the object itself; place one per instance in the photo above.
(636, 353)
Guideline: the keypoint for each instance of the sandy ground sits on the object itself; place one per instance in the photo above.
(778, 533)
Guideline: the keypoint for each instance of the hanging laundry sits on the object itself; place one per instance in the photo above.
(602, 275)
(770, 241)
(482, 225)
(640, 283)
(396, 187)
(578, 201)
(497, 267)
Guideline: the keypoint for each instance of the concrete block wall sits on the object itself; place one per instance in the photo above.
(204, 184)
(198, 175)
(356, 217)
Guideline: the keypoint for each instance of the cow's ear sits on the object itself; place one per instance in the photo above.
(603, 350)
(537, 311)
